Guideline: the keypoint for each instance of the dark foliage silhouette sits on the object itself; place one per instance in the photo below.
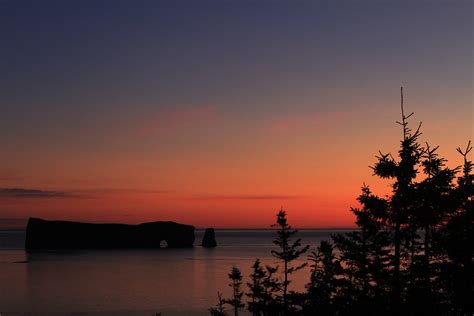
(411, 254)
(458, 242)
(219, 309)
(402, 202)
(262, 290)
(324, 284)
(288, 252)
(366, 258)
(235, 301)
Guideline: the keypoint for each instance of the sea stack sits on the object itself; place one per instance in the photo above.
(209, 239)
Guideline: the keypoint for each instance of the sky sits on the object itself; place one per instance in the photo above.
(219, 113)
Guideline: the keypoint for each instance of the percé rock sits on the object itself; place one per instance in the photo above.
(45, 234)
(209, 239)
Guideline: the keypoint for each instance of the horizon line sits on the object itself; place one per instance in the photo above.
(225, 228)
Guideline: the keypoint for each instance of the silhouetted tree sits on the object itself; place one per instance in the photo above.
(235, 301)
(289, 251)
(411, 254)
(401, 205)
(434, 204)
(256, 289)
(219, 309)
(365, 256)
(434, 195)
(262, 289)
(324, 282)
(459, 241)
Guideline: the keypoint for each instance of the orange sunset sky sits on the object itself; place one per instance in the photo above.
(217, 115)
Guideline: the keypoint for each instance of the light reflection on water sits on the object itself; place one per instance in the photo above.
(133, 282)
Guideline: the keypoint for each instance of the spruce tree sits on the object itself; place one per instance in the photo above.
(288, 252)
(219, 309)
(402, 203)
(324, 282)
(235, 301)
(365, 256)
(434, 204)
(272, 287)
(262, 289)
(256, 289)
(459, 240)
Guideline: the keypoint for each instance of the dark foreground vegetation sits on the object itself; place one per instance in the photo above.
(412, 253)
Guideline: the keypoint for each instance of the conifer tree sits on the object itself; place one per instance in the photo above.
(256, 289)
(402, 202)
(262, 288)
(272, 287)
(433, 196)
(288, 252)
(412, 252)
(459, 240)
(434, 204)
(235, 301)
(219, 309)
(365, 255)
(324, 283)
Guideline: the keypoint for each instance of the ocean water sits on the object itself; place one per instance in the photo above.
(133, 282)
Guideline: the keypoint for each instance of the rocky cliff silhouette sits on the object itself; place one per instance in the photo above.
(209, 239)
(45, 234)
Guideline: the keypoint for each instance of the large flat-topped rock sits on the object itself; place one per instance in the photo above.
(45, 234)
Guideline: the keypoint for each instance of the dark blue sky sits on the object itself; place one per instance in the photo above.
(111, 48)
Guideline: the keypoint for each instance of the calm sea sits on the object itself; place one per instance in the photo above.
(132, 282)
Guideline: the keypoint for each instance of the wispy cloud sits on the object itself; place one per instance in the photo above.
(98, 191)
(34, 193)
(246, 197)
(298, 122)
(169, 120)
(77, 194)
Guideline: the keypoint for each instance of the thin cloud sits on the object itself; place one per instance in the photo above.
(121, 190)
(34, 193)
(20, 193)
(170, 120)
(246, 197)
(298, 122)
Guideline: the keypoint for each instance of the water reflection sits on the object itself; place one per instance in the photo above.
(132, 282)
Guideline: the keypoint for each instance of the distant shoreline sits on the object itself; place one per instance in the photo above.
(219, 229)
